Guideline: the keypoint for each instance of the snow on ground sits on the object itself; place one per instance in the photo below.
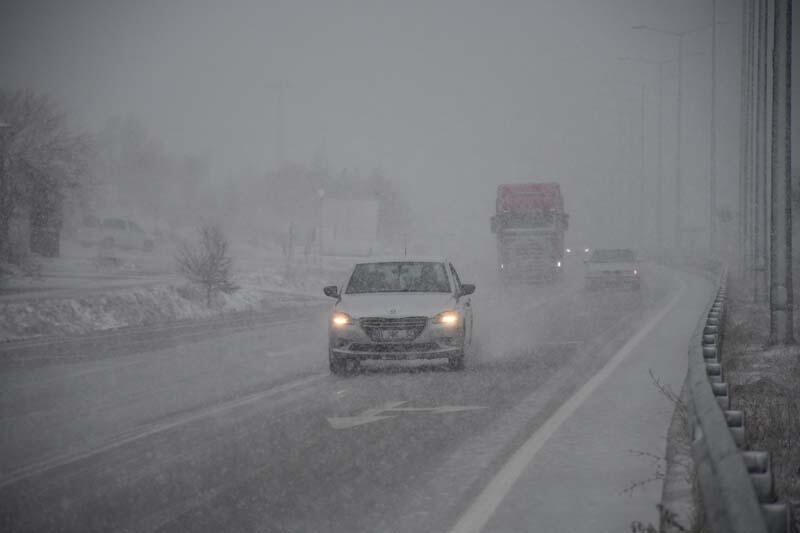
(85, 291)
(129, 307)
(264, 283)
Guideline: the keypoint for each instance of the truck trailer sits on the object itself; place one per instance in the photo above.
(529, 225)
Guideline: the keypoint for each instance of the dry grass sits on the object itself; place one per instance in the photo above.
(765, 384)
(680, 459)
(772, 414)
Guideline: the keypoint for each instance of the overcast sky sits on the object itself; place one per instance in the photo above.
(446, 97)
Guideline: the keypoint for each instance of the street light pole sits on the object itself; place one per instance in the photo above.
(678, 171)
(712, 176)
(643, 173)
(678, 127)
(758, 152)
(763, 172)
(747, 134)
(780, 296)
(744, 132)
(659, 162)
(659, 148)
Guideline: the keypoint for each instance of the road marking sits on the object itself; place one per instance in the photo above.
(379, 413)
(152, 429)
(475, 518)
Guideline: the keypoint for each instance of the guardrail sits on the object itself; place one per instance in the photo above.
(736, 484)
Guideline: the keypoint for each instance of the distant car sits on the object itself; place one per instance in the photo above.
(409, 308)
(612, 268)
(114, 232)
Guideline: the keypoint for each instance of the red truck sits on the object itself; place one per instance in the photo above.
(529, 224)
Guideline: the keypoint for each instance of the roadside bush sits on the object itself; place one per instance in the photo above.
(206, 263)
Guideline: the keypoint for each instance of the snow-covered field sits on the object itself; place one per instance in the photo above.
(130, 307)
(74, 296)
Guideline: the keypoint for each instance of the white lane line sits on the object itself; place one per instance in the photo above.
(152, 429)
(483, 508)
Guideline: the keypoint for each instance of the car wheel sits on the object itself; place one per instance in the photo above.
(456, 362)
(342, 367)
(352, 365)
(338, 366)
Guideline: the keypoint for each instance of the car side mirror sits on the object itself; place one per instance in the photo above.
(332, 291)
(466, 289)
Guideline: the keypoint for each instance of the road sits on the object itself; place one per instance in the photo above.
(244, 429)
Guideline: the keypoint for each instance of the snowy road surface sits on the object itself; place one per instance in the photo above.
(243, 429)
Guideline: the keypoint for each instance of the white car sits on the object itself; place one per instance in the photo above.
(613, 268)
(407, 308)
(112, 232)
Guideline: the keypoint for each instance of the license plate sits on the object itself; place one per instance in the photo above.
(396, 334)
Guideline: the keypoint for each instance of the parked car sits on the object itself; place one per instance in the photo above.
(112, 232)
(612, 268)
(409, 308)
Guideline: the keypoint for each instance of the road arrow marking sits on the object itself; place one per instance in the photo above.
(377, 413)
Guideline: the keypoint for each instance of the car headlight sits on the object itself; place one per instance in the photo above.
(340, 319)
(447, 318)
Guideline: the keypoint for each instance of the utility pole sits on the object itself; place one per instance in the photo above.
(780, 297)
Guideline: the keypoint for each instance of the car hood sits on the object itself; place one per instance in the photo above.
(395, 305)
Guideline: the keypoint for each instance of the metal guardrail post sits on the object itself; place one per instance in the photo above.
(737, 487)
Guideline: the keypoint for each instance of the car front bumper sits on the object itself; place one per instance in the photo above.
(434, 342)
(395, 352)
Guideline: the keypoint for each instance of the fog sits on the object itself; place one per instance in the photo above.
(196, 333)
(447, 99)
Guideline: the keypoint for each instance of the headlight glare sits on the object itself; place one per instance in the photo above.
(447, 318)
(340, 319)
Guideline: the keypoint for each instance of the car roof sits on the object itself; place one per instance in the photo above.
(404, 259)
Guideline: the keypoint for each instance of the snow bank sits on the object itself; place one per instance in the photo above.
(130, 307)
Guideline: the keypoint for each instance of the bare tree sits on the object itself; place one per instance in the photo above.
(40, 158)
(207, 263)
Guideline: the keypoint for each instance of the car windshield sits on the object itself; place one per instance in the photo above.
(612, 256)
(398, 277)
